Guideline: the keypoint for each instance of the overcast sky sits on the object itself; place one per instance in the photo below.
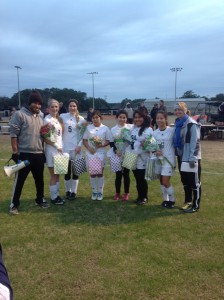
(131, 44)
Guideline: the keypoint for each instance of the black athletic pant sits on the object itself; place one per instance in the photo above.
(141, 184)
(192, 184)
(118, 179)
(36, 167)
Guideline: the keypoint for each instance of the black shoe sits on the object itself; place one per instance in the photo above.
(58, 201)
(142, 202)
(165, 203)
(191, 210)
(72, 196)
(170, 204)
(43, 203)
(67, 195)
(136, 201)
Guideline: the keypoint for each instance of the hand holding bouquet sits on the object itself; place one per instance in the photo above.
(47, 132)
(96, 141)
(82, 129)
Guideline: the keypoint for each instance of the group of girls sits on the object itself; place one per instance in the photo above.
(67, 139)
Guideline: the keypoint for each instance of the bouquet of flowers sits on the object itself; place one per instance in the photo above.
(82, 129)
(122, 138)
(95, 141)
(47, 132)
(150, 144)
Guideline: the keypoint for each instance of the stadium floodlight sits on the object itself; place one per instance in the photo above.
(17, 67)
(93, 73)
(175, 90)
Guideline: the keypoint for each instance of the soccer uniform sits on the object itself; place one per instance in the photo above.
(50, 150)
(71, 139)
(165, 137)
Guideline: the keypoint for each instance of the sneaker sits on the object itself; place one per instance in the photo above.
(14, 210)
(43, 203)
(67, 195)
(125, 197)
(142, 202)
(100, 196)
(165, 203)
(170, 204)
(58, 201)
(186, 205)
(191, 210)
(117, 196)
(94, 196)
(72, 196)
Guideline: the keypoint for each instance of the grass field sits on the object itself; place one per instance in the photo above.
(105, 250)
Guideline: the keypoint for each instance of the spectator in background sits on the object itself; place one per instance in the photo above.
(153, 114)
(129, 111)
(162, 106)
(62, 109)
(89, 115)
(142, 107)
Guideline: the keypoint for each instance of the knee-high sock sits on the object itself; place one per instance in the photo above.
(74, 187)
(170, 192)
(164, 193)
(53, 191)
(93, 182)
(100, 184)
(58, 186)
(67, 185)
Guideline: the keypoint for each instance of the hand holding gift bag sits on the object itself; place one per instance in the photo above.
(61, 163)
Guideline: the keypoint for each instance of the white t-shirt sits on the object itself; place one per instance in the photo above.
(166, 137)
(57, 135)
(102, 132)
(71, 138)
(143, 155)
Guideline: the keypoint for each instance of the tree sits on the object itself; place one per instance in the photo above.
(218, 97)
(190, 94)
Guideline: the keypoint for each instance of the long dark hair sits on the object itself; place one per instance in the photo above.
(147, 120)
(121, 112)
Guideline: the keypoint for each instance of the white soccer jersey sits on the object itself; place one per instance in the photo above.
(57, 135)
(71, 131)
(102, 132)
(166, 138)
(143, 155)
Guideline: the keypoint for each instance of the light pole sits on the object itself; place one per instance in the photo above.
(17, 67)
(93, 73)
(176, 70)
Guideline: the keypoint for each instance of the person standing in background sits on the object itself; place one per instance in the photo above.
(129, 111)
(162, 106)
(27, 144)
(89, 115)
(72, 145)
(188, 151)
(62, 109)
(153, 115)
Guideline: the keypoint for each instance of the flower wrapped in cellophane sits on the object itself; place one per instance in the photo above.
(95, 141)
(48, 132)
(150, 144)
(82, 129)
(122, 139)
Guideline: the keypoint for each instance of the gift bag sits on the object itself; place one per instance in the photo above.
(79, 166)
(95, 166)
(61, 163)
(130, 160)
(153, 169)
(115, 163)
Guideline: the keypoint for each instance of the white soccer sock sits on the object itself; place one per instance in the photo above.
(164, 193)
(53, 191)
(67, 185)
(100, 184)
(93, 182)
(58, 186)
(170, 192)
(74, 187)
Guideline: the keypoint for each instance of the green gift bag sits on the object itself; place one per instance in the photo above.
(61, 163)
(130, 160)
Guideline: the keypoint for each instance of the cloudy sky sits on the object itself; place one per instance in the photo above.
(131, 44)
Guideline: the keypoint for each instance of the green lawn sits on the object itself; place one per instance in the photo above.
(105, 250)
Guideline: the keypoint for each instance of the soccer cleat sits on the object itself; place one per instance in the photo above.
(191, 210)
(165, 203)
(186, 205)
(42, 204)
(117, 196)
(125, 197)
(142, 202)
(170, 204)
(58, 201)
(100, 196)
(94, 196)
(14, 210)
(67, 195)
(72, 196)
